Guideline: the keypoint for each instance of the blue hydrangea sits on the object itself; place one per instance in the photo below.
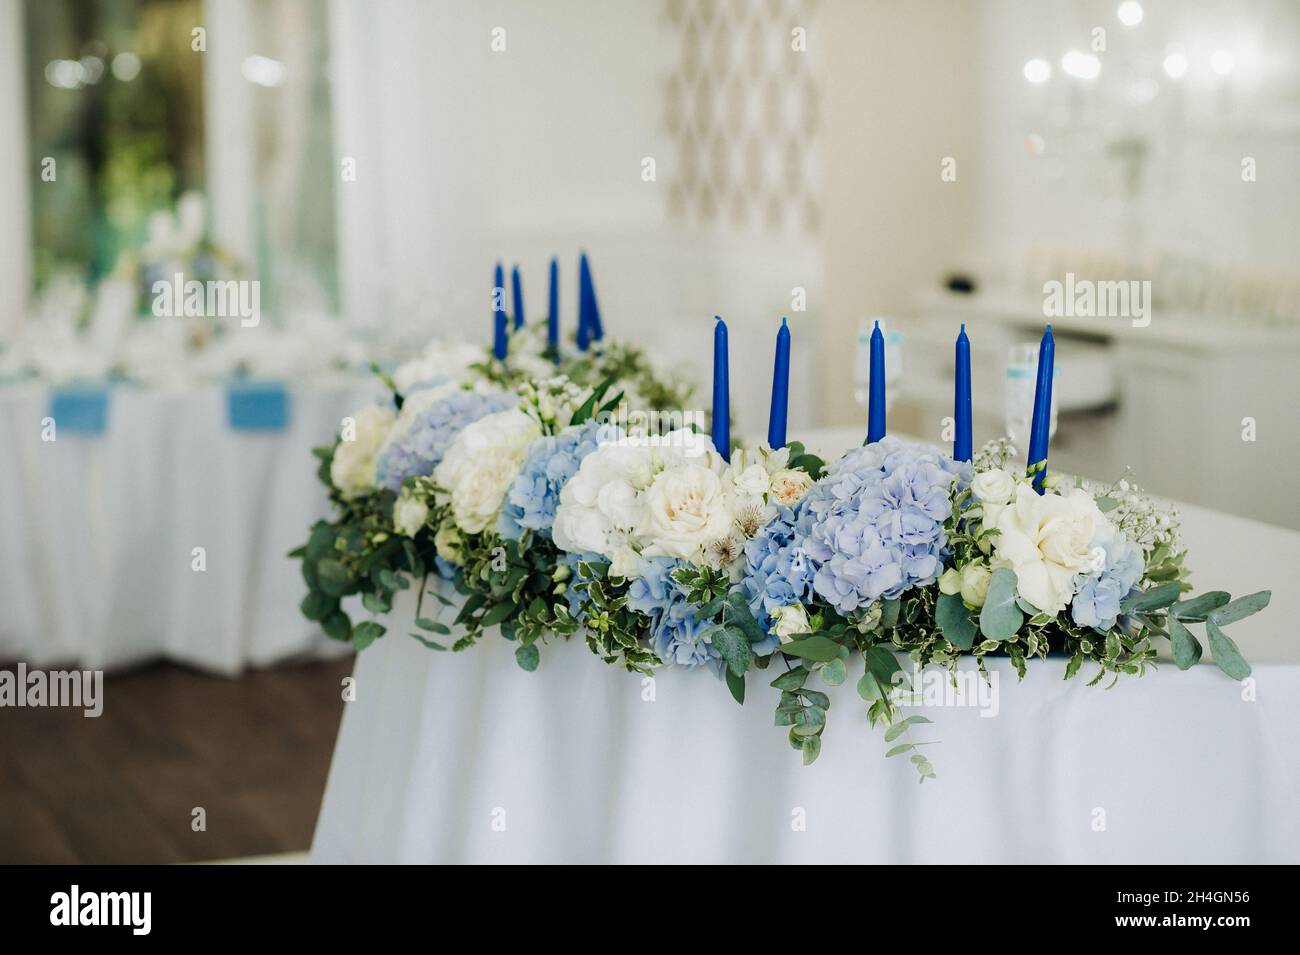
(419, 447)
(777, 572)
(676, 634)
(872, 527)
(1098, 596)
(535, 495)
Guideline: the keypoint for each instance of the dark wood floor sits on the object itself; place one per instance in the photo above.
(253, 752)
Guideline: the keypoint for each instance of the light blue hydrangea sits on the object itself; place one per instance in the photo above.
(777, 572)
(872, 527)
(552, 460)
(1098, 596)
(676, 634)
(417, 450)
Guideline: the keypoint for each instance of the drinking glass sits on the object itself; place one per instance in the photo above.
(1018, 394)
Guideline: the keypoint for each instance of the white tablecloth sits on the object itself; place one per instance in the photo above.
(98, 531)
(466, 758)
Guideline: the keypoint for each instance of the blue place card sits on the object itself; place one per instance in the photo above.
(257, 405)
(80, 409)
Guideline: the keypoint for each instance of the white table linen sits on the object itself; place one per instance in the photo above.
(99, 531)
(466, 758)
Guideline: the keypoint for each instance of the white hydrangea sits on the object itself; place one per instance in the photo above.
(481, 464)
(353, 469)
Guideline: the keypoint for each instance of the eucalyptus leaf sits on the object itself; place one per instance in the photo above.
(366, 633)
(1186, 648)
(734, 648)
(1153, 599)
(816, 648)
(1000, 617)
(528, 657)
(1198, 608)
(833, 672)
(1239, 608)
(882, 664)
(954, 621)
(791, 679)
(1226, 655)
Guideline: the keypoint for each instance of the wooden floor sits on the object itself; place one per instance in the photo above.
(253, 752)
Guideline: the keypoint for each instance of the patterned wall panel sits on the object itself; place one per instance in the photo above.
(741, 109)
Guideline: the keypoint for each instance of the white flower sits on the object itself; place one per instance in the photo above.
(950, 581)
(482, 463)
(994, 489)
(409, 513)
(789, 621)
(975, 583)
(753, 481)
(353, 469)
(1047, 539)
(660, 496)
(441, 361)
(789, 486)
(686, 508)
(447, 540)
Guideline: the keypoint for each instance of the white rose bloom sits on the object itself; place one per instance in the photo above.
(353, 469)
(447, 540)
(975, 583)
(686, 508)
(1047, 539)
(409, 514)
(789, 486)
(994, 489)
(789, 621)
(600, 507)
(753, 481)
(482, 463)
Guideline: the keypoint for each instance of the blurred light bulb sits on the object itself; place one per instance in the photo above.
(1084, 66)
(1129, 13)
(1038, 71)
(264, 71)
(126, 67)
(1176, 64)
(1222, 62)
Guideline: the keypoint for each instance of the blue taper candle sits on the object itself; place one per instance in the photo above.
(553, 311)
(1040, 427)
(876, 398)
(961, 412)
(721, 391)
(517, 290)
(780, 388)
(588, 310)
(499, 343)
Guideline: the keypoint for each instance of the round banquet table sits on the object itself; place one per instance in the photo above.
(98, 531)
(467, 758)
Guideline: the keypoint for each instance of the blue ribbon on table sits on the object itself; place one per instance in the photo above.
(257, 405)
(80, 409)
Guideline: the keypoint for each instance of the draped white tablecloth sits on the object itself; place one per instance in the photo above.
(466, 758)
(98, 531)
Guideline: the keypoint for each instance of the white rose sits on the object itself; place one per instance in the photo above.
(686, 508)
(752, 481)
(353, 469)
(975, 584)
(994, 486)
(1047, 539)
(950, 581)
(409, 514)
(481, 464)
(789, 621)
(789, 486)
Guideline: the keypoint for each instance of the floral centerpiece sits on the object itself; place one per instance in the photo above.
(519, 481)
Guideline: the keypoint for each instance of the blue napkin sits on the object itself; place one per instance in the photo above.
(257, 406)
(80, 409)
